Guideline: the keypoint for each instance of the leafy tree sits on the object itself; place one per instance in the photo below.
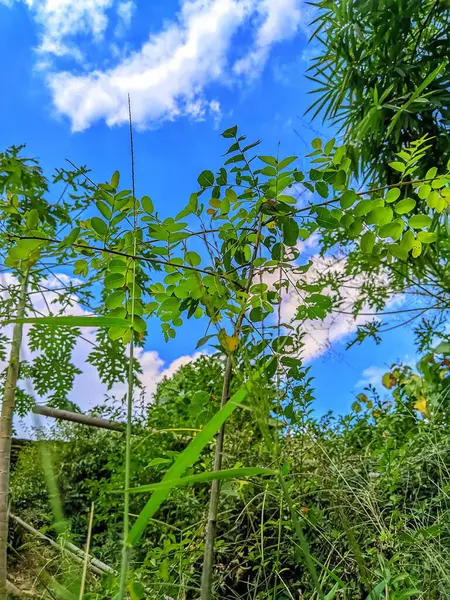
(381, 78)
(27, 214)
(148, 267)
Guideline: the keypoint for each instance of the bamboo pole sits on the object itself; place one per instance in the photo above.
(7, 412)
(86, 553)
(96, 565)
(66, 415)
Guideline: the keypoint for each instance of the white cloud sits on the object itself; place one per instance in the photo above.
(125, 12)
(168, 77)
(165, 79)
(279, 20)
(321, 335)
(61, 21)
(371, 376)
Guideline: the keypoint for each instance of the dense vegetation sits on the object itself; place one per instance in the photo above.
(371, 489)
(227, 485)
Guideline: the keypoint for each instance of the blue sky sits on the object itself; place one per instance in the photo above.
(192, 68)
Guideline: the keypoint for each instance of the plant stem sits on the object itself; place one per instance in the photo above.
(208, 560)
(86, 554)
(9, 395)
(126, 505)
(211, 528)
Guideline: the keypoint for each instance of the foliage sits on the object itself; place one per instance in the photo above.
(370, 489)
(144, 267)
(381, 77)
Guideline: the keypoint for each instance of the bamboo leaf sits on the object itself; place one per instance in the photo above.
(187, 458)
(74, 321)
(431, 77)
(203, 478)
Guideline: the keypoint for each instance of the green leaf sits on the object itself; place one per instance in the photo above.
(398, 166)
(72, 237)
(398, 251)
(268, 171)
(99, 226)
(192, 258)
(286, 162)
(424, 191)
(202, 341)
(442, 348)
(405, 206)
(206, 179)
(62, 592)
(184, 460)
(329, 146)
(115, 179)
(325, 218)
(231, 195)
(322, 189)
(193, 202)
(418, 90)
(117, 333)
(147, 205)
(417, 249)
(382, 215)
(348, 199)
(229, 133)
(368, 242)
(408, 240)
(269, 160)
(420, 221)
(393, 230)
(278, 251)
(104, 209)
(139, 324)
(136, 590)
(235, 159)
(392, 195)
(190, 208)
(355, 229)
(427, 237)
(81, 267)
(290, 231)
(339, 155)
(286, 199)
(363, 207)
(114, 281)
(317, 143)
(204, 478)
(431, 173)
(115, 300)
(33, 219)
(74, 321)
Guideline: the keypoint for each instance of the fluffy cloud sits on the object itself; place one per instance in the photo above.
(125, 12)
(371, 376)
(320, 336)
(168, 77)
(60, 21)
(279, 20)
